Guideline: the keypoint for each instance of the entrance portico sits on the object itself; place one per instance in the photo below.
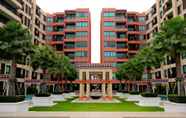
(95, 80)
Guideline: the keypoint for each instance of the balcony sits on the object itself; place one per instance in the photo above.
(121, 45)
(121, 55)
(58, 29)
(69, 45)
(71, 55)
(58, 38)
(70, 35)
(9, 9)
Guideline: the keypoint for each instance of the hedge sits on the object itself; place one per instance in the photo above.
(57, 93)
(42, 95)
(149, 94)
(134, 93)
(177, 99)
(11, 99)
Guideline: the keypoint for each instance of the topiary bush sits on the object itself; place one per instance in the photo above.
(177, 99)
(11, 99)
(149, 94)
(134, 92)
(42, 95)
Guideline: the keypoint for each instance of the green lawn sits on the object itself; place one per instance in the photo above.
(105, 107)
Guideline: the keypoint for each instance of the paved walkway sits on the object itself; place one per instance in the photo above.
(93, 115)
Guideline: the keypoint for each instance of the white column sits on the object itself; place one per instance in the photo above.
(167, 88)
(81, 86)
(110, 85)
(88, 85)
(103, 85)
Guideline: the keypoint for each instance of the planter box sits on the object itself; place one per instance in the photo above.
(174, 107)
(42, 101)
(14, 107)
(68, 95)
(149, 101)
(56, 97)
(122, 95)
(133, 98)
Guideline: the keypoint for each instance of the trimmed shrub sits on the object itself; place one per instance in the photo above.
(11, 99)
(149, 94)
(134, 92)
(32, 90)
(57, 93)
(177, 99)
(42, 95)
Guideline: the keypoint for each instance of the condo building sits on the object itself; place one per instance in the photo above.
(69, 32)
(30, 15)
(122, 35)
(163, 10)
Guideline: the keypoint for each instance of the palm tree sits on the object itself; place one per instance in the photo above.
(15, 42)
(171, 41)
(59, 68)
(43, 57)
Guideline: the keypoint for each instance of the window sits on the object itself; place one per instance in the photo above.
(121, 35)
(110, 44)
(49, 37)
(121, 55)
(49, 19)
(121, 45)
(141, 28)
(108, 24)
(49, 29)
(109, 14)
(70, 35)
(109, 54)
(141, 37)
(82, 24)
(141, 19)
(110, 34)
(184, 69)
(81, 54)
(184, 55)
(82, 14)
(81, 34)
(81, 44)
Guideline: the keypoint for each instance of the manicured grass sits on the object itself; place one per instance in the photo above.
(125, 106)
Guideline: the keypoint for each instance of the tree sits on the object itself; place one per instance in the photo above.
(15, 42)
(171, 41)
(62, 68)
(43, 57)
(131, 70)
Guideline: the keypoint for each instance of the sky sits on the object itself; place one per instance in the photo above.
(95, 7)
